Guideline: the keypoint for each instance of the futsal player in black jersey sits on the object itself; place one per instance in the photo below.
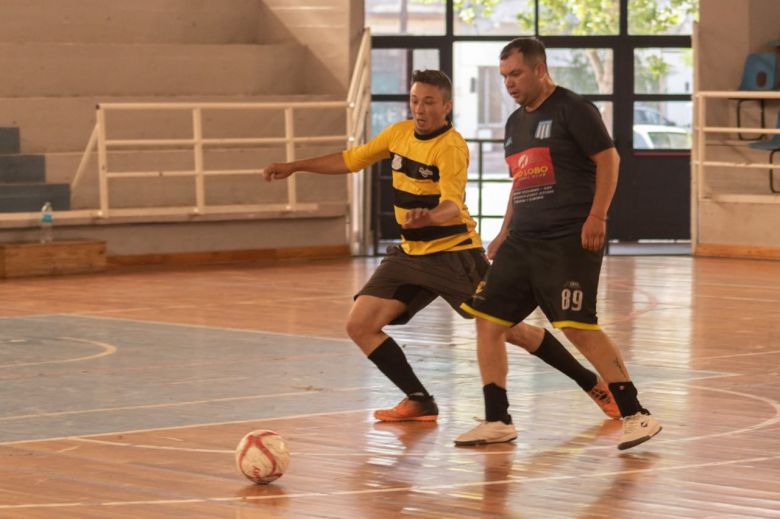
(564, 169)
(440, 255)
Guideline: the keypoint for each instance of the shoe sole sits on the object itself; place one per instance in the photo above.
(472, 443)
(427, 418)
(633, 443)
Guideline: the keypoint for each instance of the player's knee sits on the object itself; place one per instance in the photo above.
(519, 336)
(356, 328)
(359, 328)
(576, 335)
(526, 336)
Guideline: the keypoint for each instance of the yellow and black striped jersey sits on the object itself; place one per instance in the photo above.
(427, 170)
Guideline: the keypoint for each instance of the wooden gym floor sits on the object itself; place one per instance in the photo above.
(124, 394)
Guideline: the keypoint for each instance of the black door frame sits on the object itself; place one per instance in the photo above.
(625, 225)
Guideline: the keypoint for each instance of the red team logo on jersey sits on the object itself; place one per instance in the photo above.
(531, 168)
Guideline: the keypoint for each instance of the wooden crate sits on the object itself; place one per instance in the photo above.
(58, 257)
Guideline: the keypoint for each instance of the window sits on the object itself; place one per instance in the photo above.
(388, 71)
(637, 71)
(579, 18)
(663, 71)
(405, 17)
(384, 113)
(510, 18)
(661, 16)
(586, 71)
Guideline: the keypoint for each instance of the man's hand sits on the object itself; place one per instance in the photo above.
(278, 171)
(494, 245)
(416, 218)
(593, 233)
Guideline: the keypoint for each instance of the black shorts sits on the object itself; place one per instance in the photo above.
(559, 276)
(417, 280)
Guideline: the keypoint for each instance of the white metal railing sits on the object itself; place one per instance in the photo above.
(356, 108)
(701, 129)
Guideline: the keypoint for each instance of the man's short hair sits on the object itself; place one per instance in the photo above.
(436, 78)
(531, 48)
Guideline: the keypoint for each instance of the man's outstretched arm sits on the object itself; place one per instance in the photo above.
(331, 164)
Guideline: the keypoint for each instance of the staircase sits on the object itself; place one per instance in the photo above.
(23, 186)
(62, 57)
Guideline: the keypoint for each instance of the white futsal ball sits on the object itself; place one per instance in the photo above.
(262, 456)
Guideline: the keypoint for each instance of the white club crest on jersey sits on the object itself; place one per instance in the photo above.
(397, 162)
(543, 129)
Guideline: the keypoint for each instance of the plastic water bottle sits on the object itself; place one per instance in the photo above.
(47, 223)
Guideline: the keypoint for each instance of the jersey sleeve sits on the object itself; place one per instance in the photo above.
(374, 150)
(587, 127)
(453, 164)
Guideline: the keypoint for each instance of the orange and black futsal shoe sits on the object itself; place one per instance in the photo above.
(604, 399)
(408, 410)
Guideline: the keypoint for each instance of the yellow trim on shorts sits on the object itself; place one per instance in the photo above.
(576, 324)
(476, 313)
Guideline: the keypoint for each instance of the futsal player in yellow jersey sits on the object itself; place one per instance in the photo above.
(440, 254)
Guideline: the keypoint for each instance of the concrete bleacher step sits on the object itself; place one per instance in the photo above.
(64, 124)
(22, 168)
(137, 21)
(28, 197)
(9, 140)
(78, 69)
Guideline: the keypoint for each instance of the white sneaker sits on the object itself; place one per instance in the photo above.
(638, 429)
(487, 432)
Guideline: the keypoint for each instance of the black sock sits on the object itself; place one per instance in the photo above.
(496, 404)
(553, 353)
(391, 361)
(626, 398)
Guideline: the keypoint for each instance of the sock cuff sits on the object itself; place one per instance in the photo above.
(496, 403)
(388, 349)
(547, 341)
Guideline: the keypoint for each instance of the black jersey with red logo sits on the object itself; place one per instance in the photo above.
(548, 152)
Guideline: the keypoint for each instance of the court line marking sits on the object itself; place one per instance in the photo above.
(272, 395)
(388, 490)
(180, 325)
(179, 427)
(471, 452)
(651, 304)
(306, 415)
(766, 423)
(733, 355)
(736, 298)
(347, 299)
(108, 349)
(182, 404)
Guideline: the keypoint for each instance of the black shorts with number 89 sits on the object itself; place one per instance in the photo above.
(559, 276)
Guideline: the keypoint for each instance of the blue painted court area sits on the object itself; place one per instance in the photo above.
(69, 376)
(62, 376)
